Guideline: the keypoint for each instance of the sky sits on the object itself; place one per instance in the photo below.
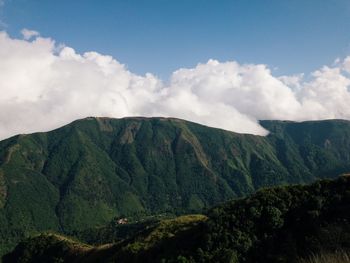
(225, 64)
(160, 36)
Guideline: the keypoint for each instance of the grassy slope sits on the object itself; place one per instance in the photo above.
(90, 171)
(156, 239)
(281, 224)
(330, 257)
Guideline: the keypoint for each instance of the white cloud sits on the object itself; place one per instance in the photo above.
(28, 34)
(44, 86)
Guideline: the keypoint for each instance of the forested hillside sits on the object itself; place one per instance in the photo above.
(91, 171)
(276, 225)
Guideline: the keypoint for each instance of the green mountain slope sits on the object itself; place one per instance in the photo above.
(93, 170)
(275, 225)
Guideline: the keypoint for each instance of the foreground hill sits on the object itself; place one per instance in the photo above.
(96, 169)
(281, 224)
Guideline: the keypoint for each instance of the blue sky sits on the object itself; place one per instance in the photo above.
(160, 36)
(225, 64)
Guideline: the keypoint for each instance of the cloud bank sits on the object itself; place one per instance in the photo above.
(44, 85)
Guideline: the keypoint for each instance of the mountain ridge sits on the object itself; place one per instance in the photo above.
(90, 171)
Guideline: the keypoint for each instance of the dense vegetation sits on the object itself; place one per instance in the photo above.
(290, 224)
(91, 171)
(334, 257)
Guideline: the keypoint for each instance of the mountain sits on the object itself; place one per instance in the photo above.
(91, 171)
(288, 224)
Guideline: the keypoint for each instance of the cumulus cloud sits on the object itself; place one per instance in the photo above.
(44, 85)
(28, 34)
